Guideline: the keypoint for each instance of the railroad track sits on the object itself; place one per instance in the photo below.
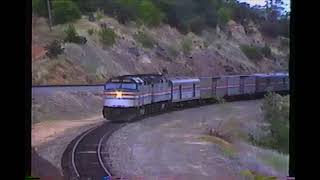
(82, 160)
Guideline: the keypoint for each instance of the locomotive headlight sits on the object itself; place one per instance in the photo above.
(118, 94)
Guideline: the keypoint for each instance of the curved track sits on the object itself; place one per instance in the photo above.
(82, 158)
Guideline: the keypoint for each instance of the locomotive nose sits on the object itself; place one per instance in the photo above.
(118, 94)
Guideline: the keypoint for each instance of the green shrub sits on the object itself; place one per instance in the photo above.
(146, 40)
(219, 100)
(173, 52)
(266, 51)
(247, 174)
(278, 161)
(276, 115)
(186, 45)
(107, 36)
(71, 34)
(252, 53)
(99, 15)
(54, 49)
(275, 28)
(197, 24)
(90, 31)
(64, 11)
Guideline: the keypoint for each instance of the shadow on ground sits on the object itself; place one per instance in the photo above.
(43, 168)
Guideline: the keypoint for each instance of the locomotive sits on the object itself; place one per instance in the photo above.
(129, 97)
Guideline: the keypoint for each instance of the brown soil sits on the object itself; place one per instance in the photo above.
(50, 139)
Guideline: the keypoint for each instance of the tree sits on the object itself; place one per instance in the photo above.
(126, 10)
(181, 13)
(64, 11)
(274, 9)
(87, 6)
(197, 24)
(224, 15)
(149, 13)
(39, 7)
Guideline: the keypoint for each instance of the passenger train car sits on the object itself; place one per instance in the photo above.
(131, 96)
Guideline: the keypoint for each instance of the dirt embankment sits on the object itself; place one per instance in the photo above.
(212, 53)
(57, 118)
(61, 105)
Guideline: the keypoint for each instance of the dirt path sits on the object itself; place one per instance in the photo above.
(49, 139)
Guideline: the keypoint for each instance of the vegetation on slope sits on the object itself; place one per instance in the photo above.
(185, 15)
(158, 45)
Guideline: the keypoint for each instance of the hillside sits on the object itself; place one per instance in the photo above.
(214, 52)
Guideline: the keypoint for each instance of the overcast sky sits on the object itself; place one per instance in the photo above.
(262, 2)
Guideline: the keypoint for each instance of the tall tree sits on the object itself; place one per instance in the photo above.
(274, 9)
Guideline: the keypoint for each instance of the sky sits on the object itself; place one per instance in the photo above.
(262, 2)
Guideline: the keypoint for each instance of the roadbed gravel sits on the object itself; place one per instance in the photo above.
(170, 145)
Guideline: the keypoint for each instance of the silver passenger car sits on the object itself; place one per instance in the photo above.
(184, 89)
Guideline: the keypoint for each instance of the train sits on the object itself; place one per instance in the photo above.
(131, 97)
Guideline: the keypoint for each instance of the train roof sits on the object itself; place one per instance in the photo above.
(270, 74)
(184, 80)
(139, 78)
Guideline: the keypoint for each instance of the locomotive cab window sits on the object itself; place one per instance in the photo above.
(131, 86)
(112, 86)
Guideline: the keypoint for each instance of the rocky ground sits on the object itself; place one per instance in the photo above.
(177, 144)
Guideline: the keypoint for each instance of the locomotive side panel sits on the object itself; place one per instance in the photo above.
(146, 94)
(161, 92)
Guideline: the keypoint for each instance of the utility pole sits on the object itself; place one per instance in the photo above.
(49, 12)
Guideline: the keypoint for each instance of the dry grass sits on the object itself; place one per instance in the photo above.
(226, 147)
(228, 130)
(250, 175)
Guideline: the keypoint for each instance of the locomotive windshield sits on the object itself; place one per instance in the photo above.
(130, 86)
(112, 86)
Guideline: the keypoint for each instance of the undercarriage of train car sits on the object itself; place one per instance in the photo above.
(120, 114)
(116, 114)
